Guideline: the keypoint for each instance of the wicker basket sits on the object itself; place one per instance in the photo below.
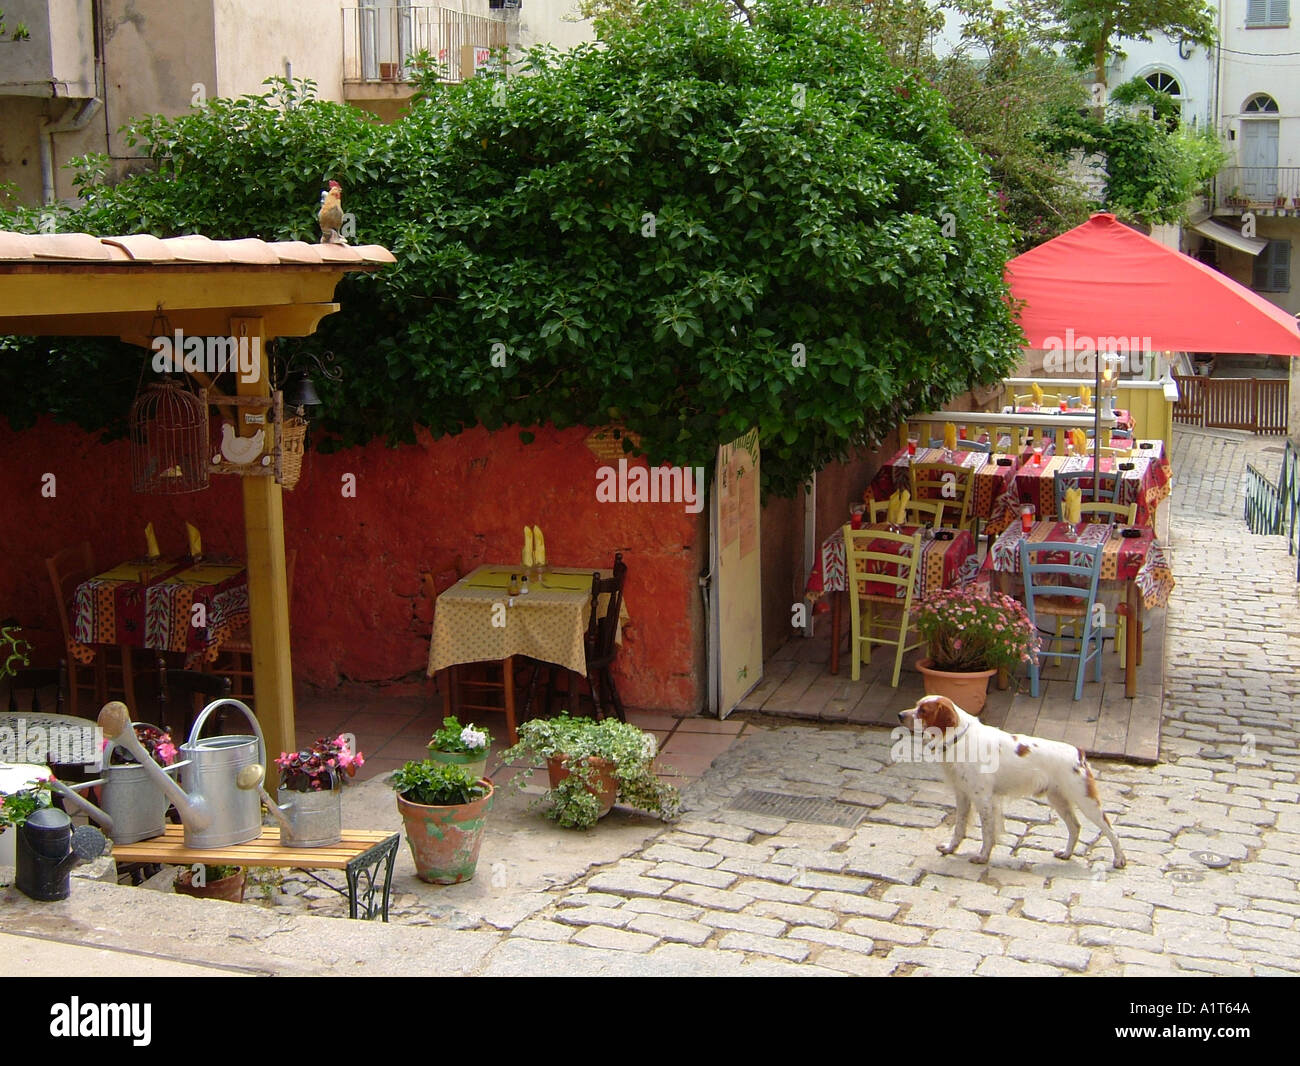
(293, 443)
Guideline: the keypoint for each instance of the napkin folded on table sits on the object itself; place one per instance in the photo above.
(1085, 396)
(1037, 391)
(1072, 506)
(539, 546)
(898, 507)
(196, 541)
(528, 546)
(1080, 440)
(151, 542)
(950, 436)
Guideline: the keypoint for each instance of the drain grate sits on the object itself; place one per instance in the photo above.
(799, 808)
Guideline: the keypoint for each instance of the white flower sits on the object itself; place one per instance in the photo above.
(473, 738)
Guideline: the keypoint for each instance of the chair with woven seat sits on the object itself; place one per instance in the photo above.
(897, 569)
(951, 484)
(1065, 591)
(68, 569)
(236, 657)
(1107, 487)
(918, 512)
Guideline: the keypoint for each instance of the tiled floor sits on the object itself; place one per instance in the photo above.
(391, 729)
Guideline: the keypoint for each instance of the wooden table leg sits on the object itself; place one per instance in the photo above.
(1132, 637)
(509, 680)
(837, 618)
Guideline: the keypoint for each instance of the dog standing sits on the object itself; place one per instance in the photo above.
(1011, 765)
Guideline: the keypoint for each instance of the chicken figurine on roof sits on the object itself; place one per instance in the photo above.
(331, 215)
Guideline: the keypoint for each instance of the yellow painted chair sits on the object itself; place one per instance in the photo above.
(919, 512)
(900, 572)
(952, 485)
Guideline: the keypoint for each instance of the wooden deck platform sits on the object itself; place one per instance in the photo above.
(797, 682)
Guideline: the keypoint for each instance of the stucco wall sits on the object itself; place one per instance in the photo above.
(555, 22)
(254, 38)
(358, 610)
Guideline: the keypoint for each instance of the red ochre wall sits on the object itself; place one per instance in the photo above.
(359, 610)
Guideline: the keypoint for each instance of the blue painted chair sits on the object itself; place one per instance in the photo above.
(1066, 592)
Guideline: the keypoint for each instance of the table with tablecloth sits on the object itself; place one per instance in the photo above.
(1123, 418)
(991, 493)
(150, 603)
(1141, 481)
(476, 620)
(943, 564)
(1139, 562)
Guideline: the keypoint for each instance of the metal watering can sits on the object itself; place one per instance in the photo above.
(47, 850)
(218, 797)
(306, 819)
(135, 805)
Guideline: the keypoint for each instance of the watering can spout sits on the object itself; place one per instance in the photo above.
(79, 801)
(252, 777)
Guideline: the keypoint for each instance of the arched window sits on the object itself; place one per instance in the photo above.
(1260, 104)
(1164, 83)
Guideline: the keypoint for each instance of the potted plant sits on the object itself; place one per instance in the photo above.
(971, 634)
(157, 742)
(210, 881)
(310, 796)
(592, 765)
(444, 811)
(30, 792)
(465, 746)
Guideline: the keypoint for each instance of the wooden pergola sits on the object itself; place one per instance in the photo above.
(60, 285)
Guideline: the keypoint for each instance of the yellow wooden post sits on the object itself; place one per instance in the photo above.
(268, 598)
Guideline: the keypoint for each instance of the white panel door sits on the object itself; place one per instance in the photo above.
(1259, 158)
(735, 601)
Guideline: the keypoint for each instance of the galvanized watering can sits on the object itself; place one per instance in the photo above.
(135, 805)
(218, 797)
(307, 819)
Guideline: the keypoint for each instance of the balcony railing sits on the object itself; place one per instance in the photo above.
(1258, 187)
(380, 43)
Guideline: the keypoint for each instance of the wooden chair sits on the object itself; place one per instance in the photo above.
(1107, 486)
(1065, 592)
(68, 569)
(600, 643)
(919, 512)
(950, 483)
(880, 568)
(32, 679)
(236, 657)
(1108, 513)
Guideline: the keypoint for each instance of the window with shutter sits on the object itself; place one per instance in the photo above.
(1272, 272)
(1268, 12)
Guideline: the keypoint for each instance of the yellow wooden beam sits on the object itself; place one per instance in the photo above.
(268, 599)
(137, 327)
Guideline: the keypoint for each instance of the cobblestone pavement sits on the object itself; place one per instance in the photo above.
(1212, 832)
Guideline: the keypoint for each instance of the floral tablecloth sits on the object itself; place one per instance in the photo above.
(1141, 559)
(477, 621)
(991, 495)
(944, 563)
(150, 604)
(1145, 483)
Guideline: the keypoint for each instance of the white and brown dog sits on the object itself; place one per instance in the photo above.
(984, 764)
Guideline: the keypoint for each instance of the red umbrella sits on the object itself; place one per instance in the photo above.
(1105, 281)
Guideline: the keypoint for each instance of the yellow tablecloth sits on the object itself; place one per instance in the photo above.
(476, 620)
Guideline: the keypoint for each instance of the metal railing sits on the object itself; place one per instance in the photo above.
(1275, 187)
(380, 43)
(1274, 509)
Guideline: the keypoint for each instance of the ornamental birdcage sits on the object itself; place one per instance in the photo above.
(169, 439)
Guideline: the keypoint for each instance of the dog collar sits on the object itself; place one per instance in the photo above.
(964, 730)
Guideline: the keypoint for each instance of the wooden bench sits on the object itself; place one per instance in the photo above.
(361, 855)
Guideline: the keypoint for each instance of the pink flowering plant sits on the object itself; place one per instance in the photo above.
(157, 742)
(969, 628)
(325, 765)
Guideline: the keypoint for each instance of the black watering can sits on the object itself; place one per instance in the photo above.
(47, 850)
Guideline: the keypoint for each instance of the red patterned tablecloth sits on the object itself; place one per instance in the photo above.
(1141, 559)
(992, 494)
(1145, 483)
(944, 563)
(150, 604)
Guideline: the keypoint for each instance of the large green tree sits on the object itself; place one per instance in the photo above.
(699, 226)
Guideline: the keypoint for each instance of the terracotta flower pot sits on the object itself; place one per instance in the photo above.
(606, 789)
(445, 840)
(475, 765)
(231, 888)
(968, 689)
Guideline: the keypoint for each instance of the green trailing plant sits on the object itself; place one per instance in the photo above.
(15, 652)
(693, 228)
(437, 784)
(573, 803)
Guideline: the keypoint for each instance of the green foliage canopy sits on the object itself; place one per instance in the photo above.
(700, 227)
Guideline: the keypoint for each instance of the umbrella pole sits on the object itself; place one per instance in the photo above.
(1096, 432)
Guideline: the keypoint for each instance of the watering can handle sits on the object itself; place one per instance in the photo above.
(257, 729)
